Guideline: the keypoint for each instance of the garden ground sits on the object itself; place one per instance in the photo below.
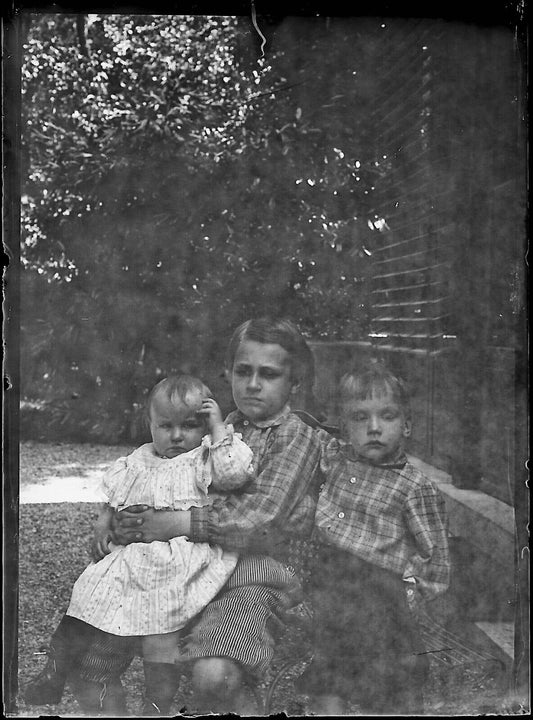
(58, 492)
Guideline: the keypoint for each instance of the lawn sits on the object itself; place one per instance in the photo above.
(54, 532)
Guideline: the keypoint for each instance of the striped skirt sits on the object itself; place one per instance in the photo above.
(243, 620)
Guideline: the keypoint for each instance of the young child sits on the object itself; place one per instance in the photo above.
(151, 591)
(383, 533)
(268, 360)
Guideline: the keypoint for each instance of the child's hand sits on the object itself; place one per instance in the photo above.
(100, 544)
(215, 422)
(102, 534)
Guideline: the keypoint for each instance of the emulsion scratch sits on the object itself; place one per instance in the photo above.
(256, 26)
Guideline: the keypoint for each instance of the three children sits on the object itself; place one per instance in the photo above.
(381, 524)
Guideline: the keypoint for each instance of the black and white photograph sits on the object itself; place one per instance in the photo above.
(285, 247)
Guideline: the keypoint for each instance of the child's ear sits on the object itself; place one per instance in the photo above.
(295, 387)
(407, 428)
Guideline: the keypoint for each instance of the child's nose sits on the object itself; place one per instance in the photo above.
(253, 382)
(374, 425)
(177, 432)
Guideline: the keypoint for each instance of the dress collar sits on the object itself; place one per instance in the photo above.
(237, 416)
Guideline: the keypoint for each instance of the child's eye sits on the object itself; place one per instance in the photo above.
(165, 426)
(270, 374)
(359, 417)
(191, 425)
(241, 371)
(390, 416)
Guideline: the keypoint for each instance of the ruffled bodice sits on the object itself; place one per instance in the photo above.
(143, 477)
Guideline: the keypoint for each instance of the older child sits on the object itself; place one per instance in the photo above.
(383, 530)
(267, 362)
(151, 591)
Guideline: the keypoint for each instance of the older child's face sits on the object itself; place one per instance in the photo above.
(375, 427)
(261, 379)
(176, 428)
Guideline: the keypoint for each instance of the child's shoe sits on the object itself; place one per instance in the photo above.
(47, 687)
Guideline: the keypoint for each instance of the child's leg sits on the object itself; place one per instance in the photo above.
(70, 639)
(218, 685)
(96, 699)
(231, 641)
(96, 685)
(161, 676)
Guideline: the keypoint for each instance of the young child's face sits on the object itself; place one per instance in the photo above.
(375, 427)
(176, 428)
(261, 379)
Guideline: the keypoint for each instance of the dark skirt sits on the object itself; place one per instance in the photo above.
(366, 642)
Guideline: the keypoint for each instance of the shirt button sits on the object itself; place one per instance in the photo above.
(341, 515)
(246, 423)
(352, 480)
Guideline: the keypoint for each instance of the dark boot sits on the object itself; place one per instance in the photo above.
(47, 687)
(161, 683)
(98, 699)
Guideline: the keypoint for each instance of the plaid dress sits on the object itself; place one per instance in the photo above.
(242, 621)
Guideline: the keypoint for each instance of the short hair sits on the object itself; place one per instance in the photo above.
(183, 388)
(373, 376)
(282, 332)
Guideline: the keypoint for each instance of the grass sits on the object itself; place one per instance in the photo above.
(53, 541)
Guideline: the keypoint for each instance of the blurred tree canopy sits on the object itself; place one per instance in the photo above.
(177, 181)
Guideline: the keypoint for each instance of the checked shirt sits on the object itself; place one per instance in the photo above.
(389, 515)
(280, 502)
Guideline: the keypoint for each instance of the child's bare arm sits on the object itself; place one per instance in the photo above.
(102, 533)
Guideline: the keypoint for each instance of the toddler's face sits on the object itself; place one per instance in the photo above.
(261, 379)
(176, 428)
(375, 427)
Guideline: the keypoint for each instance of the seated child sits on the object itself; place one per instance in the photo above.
(152, 590)
(382, 530)
(232, 642)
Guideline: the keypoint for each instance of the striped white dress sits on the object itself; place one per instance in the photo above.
(155, 588)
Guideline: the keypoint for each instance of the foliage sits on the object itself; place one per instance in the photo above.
(175, 184)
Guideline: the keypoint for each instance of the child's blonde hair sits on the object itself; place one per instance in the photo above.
(186, 389)
(374, 377)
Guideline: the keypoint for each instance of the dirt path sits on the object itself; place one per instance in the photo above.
(64, 472)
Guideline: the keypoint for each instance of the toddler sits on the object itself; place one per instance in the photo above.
(152, 590)
(382, 528)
